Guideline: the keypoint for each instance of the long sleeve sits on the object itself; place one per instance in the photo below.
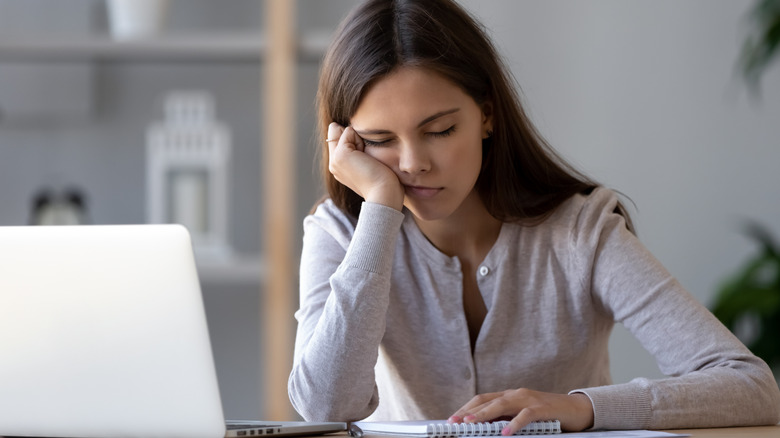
(344, 288)
(380, 305)
(714, 380)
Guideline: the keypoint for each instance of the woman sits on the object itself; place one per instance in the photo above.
(461, 270)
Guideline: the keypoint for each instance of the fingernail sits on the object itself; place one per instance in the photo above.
(455, 419)
(469, 418)
(506, 431)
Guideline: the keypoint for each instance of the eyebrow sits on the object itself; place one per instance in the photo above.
(419, 125)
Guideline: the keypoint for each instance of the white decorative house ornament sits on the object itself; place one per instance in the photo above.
(188, 155)
(133, 19)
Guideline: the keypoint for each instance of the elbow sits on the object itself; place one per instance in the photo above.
(308, 408)
(766, 397)
(774, 403)
(325, 402)
(329, 402)
(772, 415)
(305, 403)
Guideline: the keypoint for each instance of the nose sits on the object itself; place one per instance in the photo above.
(413, 159)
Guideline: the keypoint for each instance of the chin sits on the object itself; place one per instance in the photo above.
(428, 212)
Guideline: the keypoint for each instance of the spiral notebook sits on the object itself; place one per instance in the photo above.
(440, 428)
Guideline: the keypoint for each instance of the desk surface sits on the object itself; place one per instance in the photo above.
(739, 432)
(750, 432)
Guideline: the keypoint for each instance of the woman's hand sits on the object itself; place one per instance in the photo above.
(575, 411)
(365, 175)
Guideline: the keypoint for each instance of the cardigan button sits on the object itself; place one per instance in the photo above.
(484, 270)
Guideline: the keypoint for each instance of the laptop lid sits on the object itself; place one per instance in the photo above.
(103, 334)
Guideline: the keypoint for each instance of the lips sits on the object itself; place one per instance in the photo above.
(422, 191)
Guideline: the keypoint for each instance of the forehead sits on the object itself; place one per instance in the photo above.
(408, 95)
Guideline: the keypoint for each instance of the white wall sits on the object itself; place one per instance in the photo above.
(640, 94)
(643, 96)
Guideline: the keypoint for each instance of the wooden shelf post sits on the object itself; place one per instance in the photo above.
(278, 158)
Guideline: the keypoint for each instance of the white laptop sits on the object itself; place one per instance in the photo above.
(103, 334)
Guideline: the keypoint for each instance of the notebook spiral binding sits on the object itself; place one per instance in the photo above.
(437, 430)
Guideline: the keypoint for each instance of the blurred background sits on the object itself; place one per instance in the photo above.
(644, 96)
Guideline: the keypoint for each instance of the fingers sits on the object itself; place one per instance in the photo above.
(334, 135)
(364, 174)
(490, 407)
(334, 132)
(522, 406)
(524, 418)
(474, 405)
(338, 145)
(344, 137)
(341, 142)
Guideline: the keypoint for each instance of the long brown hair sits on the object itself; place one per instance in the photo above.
(522, 177)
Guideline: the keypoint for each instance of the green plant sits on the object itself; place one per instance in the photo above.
(762, 42)
(748, 303)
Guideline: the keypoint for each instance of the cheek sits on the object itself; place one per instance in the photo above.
(467, 155)
(383, 155)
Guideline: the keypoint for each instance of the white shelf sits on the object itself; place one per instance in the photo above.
(235, 270)
(246, 47)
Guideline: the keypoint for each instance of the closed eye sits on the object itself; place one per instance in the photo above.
(444, 133)
(439, 134)
(375, 143)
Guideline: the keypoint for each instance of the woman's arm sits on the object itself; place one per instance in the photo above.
(345, 285)
(714, 380)
(344, 289)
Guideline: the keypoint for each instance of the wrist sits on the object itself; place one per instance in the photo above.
(392, 197)
(584, 408)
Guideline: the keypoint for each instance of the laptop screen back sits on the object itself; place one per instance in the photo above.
(103, 334)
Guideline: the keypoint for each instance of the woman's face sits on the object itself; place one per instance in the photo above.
(429, 132)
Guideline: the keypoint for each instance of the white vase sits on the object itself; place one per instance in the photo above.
(131, 19)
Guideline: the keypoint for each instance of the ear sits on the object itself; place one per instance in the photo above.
(487, 119)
